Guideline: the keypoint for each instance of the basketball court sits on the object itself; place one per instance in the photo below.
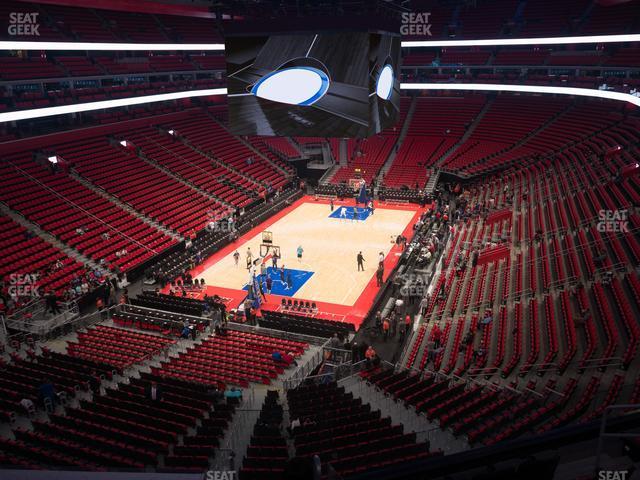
(327, 273)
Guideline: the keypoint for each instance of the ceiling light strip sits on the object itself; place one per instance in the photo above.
(494, 42)
(86, 46)
(583, 92)
(121, 102)
(124, 102)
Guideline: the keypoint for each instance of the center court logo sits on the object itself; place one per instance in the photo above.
(24, 24)
(613, 221)
(416, 24)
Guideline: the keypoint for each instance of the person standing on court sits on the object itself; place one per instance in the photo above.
(331, 204)
(249, 258)
(360, 259)
(299, 251)
(379, 275)
(236, 257)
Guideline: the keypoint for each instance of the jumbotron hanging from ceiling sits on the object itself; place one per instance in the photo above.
(312, 83)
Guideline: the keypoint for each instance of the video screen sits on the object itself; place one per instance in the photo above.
(324, 84)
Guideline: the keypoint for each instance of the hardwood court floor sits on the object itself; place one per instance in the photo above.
(330, 248)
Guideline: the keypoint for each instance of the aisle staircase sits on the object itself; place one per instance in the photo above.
(403, 134)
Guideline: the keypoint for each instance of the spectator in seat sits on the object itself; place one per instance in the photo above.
(599, 258)
(277, 357)
(185, 332)
(607, 277)
(289, 358)
(94, 381)
(436, 334)
(233, 394)
(46, 390)
(295, 423)
(538, 236)
(28, 406)
(154, 392)
(51, 302)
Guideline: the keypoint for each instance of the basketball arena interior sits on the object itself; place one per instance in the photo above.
(320, 239)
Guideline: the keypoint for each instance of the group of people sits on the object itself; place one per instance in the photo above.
(393, 324)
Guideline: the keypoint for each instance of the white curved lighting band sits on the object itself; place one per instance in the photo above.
(10, 45)
(120, 102)
(85, 46)
(524, 41)
(583, 92)
(124, 102)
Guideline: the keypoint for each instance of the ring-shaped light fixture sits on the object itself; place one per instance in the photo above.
(384, 84)
(298, 85)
